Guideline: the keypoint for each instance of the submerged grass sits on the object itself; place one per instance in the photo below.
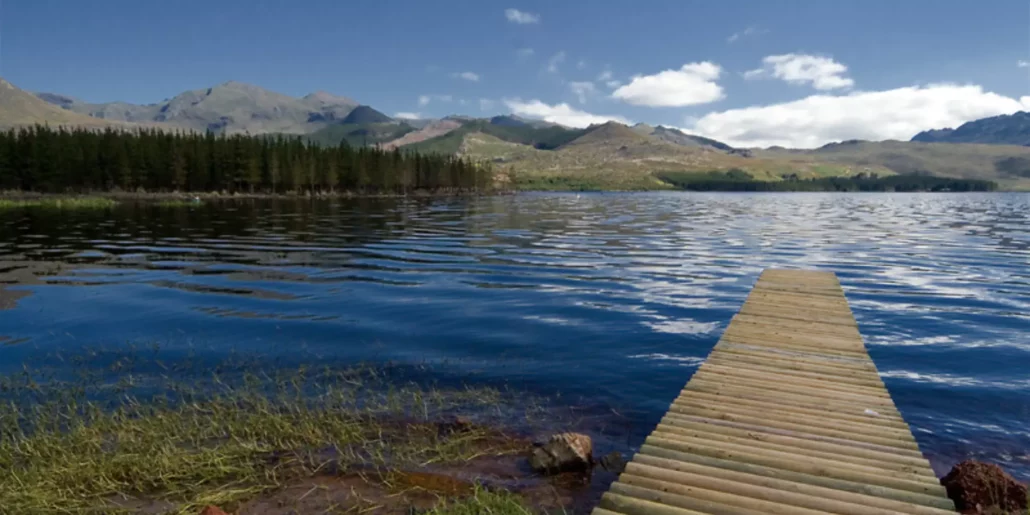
(59, 203)
(84, 445)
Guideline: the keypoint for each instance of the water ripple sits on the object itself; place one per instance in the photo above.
(611, 299)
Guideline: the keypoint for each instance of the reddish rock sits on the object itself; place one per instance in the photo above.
(565, 452)
(984, 488)
(212, 510)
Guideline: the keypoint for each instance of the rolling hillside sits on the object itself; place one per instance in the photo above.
(613, 156)
(1007, 165)
(18, 107)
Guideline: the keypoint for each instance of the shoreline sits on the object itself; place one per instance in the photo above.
(187, 197)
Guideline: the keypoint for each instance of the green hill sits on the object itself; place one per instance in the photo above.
(613, 156)
(357, 134)
(503, 128)
(1007, 165)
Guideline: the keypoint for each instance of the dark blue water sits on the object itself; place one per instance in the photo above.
(606, 301)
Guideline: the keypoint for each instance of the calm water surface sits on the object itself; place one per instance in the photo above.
(607, 301)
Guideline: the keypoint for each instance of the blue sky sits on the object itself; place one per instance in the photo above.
(751, 72)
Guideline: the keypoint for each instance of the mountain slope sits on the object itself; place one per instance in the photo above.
(1008, 165)
(434, 129)
(328, 106)
(679, 137)
(358, 134)
(365, 114)
(613, 156)
(19, 108)
(232, 107)
(505, 128)
(1011, 129)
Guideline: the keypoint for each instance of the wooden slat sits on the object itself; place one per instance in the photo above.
(787, 415)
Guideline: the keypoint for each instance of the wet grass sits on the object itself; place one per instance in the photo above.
(179, 203)
(484, 502)
(85, 445)
(59, 203)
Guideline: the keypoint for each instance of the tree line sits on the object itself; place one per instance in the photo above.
(738, 180)
(60, 160)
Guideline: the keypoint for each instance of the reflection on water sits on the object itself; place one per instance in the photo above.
(610, 300)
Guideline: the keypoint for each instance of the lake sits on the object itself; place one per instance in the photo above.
(602, 302)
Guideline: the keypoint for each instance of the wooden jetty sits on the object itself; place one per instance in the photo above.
(788, 415)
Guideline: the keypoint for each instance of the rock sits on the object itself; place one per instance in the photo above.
(565, 452)
(984, 488)
(212, 510)
(613, 462)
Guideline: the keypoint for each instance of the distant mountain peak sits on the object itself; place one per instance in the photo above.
(1006, 129)
(365, 114)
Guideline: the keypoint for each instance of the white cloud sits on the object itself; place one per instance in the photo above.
(555, 61)
(404, 115)
(485, 104)
(462, 102)
(823, 73)
(1023, 64)
(746, 33)
(521, 17)
(613, 84)
(692, 84)
(582, 90)
(469, 76)
(605, 76)
(424, 100)
(870, 115)
(525, 52)
(559, 113)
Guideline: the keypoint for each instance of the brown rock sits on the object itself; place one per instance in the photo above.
(984, 488)
(565, 452)
(212, 510)
(613, 462)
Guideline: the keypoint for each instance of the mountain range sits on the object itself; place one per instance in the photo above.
(1009, 129)
(540, 154)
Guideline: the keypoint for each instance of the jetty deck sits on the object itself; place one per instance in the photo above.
(787, 415)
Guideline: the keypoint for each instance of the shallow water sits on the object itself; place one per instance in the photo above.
(607, 301)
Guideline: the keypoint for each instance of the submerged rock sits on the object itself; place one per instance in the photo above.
(565, 452)
(613, 462)
(984, 488)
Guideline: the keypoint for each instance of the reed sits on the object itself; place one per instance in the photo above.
(59, 203)
(78, 444)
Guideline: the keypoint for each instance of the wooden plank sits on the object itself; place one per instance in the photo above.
(787, 415)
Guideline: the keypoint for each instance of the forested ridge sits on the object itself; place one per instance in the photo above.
(60, 160)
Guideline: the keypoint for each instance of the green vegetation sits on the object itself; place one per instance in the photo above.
(543, 138)
(484, 502)
(359, 134)
(1002, 164)
(59, 203)
(179, 203)
(42, 159)
(89, 444)
(739, 180)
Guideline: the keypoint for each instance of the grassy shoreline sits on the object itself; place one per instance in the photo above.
(245, 440)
